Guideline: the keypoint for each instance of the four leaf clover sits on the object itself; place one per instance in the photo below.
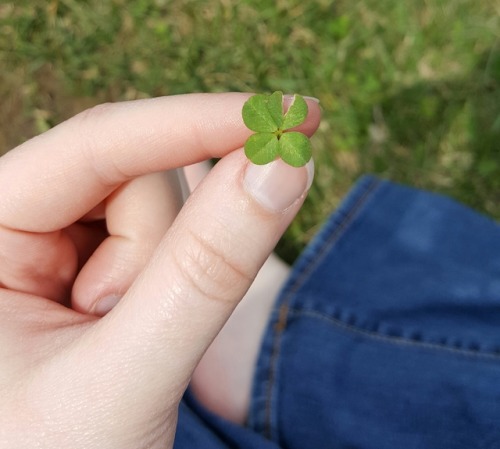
(264, 115)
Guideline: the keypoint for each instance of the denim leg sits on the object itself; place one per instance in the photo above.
(387, 334)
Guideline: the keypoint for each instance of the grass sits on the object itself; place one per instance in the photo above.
(410, 90)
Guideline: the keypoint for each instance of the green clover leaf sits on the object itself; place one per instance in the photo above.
(295, 149)
(262, 148)
(264, 115)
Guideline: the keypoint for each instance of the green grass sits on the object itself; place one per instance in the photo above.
(410, 90)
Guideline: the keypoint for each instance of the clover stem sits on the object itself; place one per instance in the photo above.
(278, 133)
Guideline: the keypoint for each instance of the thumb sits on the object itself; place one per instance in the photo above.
(201, 270)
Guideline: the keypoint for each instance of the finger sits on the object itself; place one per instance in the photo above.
(203, 267)
(137, 216)
(88, 156)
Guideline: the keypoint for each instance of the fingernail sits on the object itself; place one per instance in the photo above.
(276, 186)
(316, 100)
(105, 304)
(305, 97)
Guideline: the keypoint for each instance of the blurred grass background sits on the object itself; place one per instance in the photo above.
(410, 90)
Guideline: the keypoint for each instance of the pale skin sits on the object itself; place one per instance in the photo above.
(222, 381)
(92, 209)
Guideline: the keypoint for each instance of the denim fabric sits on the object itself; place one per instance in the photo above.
(386, 335)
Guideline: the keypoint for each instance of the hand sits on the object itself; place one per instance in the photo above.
(88, 216)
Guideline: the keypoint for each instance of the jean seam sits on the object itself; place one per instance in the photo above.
(279, 328)
(335, 235)
(284, 309)
(394, 340)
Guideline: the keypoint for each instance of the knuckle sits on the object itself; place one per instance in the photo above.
(95, 114)
(209, 271)
(90, 127)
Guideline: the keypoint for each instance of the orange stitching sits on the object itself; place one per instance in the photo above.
(400, 341)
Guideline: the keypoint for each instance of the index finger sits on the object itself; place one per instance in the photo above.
(52, 180)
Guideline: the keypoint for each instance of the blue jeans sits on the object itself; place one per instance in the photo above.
(386, 335)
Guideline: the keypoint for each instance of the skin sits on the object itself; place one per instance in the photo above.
(223, 379)
(92, 208)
